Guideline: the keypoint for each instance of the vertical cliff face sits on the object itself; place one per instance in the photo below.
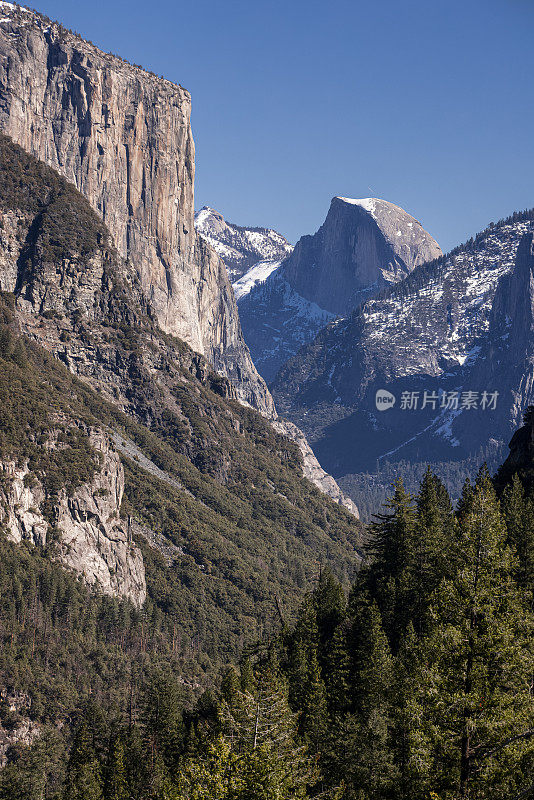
(122, 136)
(91, 538)
(362, 247)
(506, 359)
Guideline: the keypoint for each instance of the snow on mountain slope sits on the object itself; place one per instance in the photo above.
(256, 274)
(362, 247)
(240, 248)
(432, 333)
(277, 322)
(433, 320)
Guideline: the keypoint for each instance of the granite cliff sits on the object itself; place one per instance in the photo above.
(89, 536)
(362, 247)
(122, 136)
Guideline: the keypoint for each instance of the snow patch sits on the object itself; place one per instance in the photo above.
(5, 5)
(368, 203)
(256, 274)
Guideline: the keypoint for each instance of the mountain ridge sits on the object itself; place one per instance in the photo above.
(241, 247)
(434, 332)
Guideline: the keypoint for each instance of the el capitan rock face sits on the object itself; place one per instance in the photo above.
(362, 247)
(122, 136)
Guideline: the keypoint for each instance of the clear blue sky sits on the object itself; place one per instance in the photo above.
(426, 103)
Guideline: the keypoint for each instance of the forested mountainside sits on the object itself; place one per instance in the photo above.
(122, 136)
(241, 248)
(106, 695)
(444, 330)
(127, 461)
(416, 686)
(363, 246)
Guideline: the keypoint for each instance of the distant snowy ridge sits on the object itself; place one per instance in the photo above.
(241, 248)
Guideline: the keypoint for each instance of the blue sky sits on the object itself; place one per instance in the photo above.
(426, 103)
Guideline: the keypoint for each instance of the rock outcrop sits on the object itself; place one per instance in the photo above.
(122, 136)
(312, 469)
(89, 535)
(240, 247)
(18, 728)
(362, 247)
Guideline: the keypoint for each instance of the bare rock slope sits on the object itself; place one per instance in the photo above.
(92, 539)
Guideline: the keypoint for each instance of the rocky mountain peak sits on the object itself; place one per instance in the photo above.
(363, 246)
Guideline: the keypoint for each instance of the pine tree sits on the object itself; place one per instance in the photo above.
(84, 774)
(263, 731)
(478, 691)
(391, 547)
(330, 610)
(307, 689)
(362, 756)
(431, 554)
(162, 720)
(519, 516)
(115, 780)
(212, 776)
(412, 750)
(337, 673)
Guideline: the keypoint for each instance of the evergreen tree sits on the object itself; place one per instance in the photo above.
(431, 554)
(337, 673)
(307, 689)
(162, 720)
(519, 517)
(330, 610)
(263, 731)
(411, 745)
(214, 776)
(362, 752)
(390, 550)
(115, 779)
(478, 691)
(84, 773)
